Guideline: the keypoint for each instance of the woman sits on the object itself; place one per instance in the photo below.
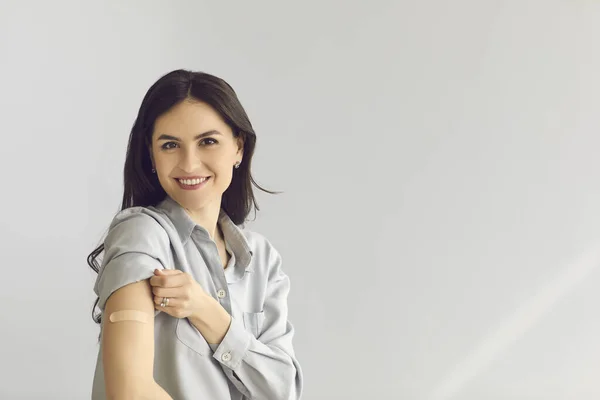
(196, 304)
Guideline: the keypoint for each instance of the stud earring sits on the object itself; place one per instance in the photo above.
(153, 171)
(236, 165)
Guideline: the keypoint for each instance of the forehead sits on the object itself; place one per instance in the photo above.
(189, 118)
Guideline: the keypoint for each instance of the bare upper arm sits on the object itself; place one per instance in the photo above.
(128, 346)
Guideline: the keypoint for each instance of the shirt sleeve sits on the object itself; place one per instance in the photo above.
(264, 367)
(134, 247)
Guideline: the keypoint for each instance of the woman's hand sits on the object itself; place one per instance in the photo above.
(186, 296)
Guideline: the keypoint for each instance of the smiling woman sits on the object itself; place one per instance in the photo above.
(202, 287)
(195, 169)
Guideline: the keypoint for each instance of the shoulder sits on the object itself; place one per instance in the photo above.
(258, 242)
(138, 219)
(264, 254)
(135, 227)
(141, 215)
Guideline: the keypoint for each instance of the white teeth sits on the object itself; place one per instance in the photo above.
(191, 182)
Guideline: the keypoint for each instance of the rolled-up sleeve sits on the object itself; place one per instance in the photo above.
(134, 247)
(264, 367)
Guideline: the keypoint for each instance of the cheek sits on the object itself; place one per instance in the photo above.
(224, 174)
(163, 168)
(164, 162)
(221, 164)
(164, 181)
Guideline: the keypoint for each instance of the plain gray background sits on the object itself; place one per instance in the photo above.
(440, 221)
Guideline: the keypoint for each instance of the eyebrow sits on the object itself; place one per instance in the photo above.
(199, 136)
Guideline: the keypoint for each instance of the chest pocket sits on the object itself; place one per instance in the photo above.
(253, 322)
(191, 337)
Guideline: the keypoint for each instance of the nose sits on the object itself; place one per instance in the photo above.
(189, 160)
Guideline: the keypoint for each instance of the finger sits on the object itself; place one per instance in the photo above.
(168, 281)
(173, 302)
(167, 271)
(166, 292)
(171, 280)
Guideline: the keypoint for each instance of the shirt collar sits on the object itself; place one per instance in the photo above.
(185, 226)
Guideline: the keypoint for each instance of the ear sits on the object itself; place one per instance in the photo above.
(240, 144)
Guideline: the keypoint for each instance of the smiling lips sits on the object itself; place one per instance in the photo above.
(192, 183)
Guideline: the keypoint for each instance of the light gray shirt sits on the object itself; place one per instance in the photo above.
(256, 358)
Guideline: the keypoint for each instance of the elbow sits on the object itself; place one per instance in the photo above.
(292, 383)
(285, 385)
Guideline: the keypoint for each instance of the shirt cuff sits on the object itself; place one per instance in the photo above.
(233, 348)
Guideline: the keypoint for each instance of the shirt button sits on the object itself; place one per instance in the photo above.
(221, 293)
(226, 356)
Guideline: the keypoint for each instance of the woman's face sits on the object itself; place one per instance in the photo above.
(194, 152)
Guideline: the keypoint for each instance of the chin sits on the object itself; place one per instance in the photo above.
(193, 202)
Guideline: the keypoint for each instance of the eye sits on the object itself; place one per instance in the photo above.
(168, 146)
(208, 141)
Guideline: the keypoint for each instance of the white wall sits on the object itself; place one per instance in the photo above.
(440, 221)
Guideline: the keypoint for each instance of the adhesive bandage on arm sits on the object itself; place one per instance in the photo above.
(129, 315)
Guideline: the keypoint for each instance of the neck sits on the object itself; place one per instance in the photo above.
(207, 217)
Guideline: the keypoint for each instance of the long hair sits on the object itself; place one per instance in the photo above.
(141, 186)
